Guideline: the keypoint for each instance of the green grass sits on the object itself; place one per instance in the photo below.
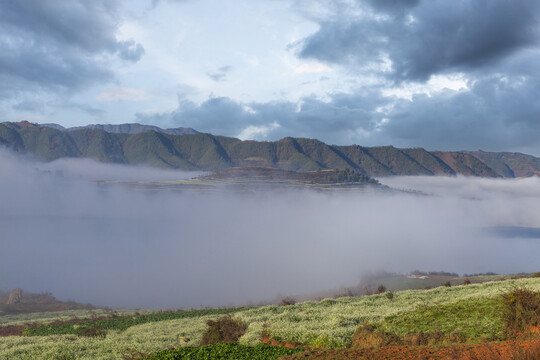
(66, 315)
(328, 323)
(122, 323)
(332, 322)
(474, 319)
(226, 351)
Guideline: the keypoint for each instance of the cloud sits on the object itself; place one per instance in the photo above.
(116, 94)
(118, 246)
(130, 51)
(312, 68)
(425, 37)
(393, 5)
(335, 121)
(94, 112)
(495, 113)
(59, 46)
(220, 74)
(44, 108)
(257, 132)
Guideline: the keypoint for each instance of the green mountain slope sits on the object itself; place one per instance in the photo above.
(47, 143)
(201, 151)
(100, 145)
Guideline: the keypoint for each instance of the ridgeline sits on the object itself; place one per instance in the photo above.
(136, 144)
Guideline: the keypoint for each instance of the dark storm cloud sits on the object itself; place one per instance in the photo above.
(498, 113)
(59, 45)
(436, 36)
(392, 5)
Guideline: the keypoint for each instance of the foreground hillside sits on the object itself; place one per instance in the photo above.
(466, 314)
(208, 152)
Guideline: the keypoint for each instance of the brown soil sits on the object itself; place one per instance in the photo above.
(524, 349)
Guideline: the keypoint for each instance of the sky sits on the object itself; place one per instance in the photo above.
(438, 74)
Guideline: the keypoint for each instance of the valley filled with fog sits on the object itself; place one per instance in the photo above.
(113, 245)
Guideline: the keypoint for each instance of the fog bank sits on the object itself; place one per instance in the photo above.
(115, 246)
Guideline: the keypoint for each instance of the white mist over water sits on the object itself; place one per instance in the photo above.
(116, 246)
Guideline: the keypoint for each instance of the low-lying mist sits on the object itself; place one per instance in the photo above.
(117, 246)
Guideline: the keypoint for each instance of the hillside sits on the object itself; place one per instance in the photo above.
(125, 144)
(256, 179)
(422, 320)
(509, 164)
(321, 177)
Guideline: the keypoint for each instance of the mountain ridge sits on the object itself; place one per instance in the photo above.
(127, 128)
(201, 151)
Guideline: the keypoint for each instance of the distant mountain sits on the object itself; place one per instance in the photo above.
(509, 164)
(201, 151)
(126, 128)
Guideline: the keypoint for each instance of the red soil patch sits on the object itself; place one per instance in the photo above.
(490, 351)
(14, 330)
(276, 343)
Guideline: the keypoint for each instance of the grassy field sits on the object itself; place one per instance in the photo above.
(470, 310)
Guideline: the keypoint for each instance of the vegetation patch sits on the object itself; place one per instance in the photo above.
(120, 323)
(225, 329)
(226, 351)
(330, 323)
(520, 312)
(472, 319)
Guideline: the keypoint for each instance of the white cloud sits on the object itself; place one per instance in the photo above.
(436, 84)
(312, 68)
(257, 132)
(116, 94)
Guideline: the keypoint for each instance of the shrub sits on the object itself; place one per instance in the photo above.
(92, 331)
(367, 336)
(288, 301)
(447, 284)
(389, 295)
(520, 311)
(26, 331)
(225, 329)
(345, 292)
(381, 289)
